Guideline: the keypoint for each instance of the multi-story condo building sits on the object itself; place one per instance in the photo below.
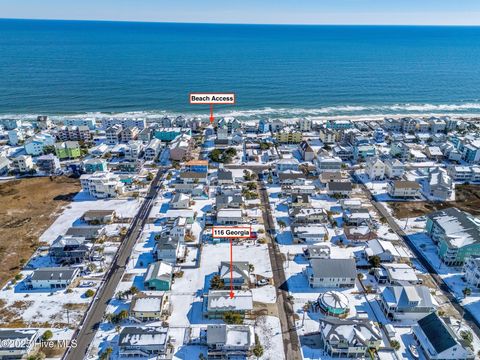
(456, 233)
(114, 134)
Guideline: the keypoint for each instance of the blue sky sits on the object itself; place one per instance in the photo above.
(422, 12)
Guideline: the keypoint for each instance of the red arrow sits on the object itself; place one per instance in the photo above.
(211, 114)
(231, 270)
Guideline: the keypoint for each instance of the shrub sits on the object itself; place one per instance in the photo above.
(47, 335)
(231, 317)
(395, 344)
(89, 293)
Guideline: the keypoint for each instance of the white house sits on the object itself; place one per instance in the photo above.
(403, 189)
(23, 163)
(375, 169)
(51, 278)
(229, 217)
(406, 302)
(331, 273)
(394, 168)
(471, 270)
(102, 184)
(17, 343)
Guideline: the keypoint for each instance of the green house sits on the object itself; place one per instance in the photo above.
(67, 150)
(456, 233)
(159, 276)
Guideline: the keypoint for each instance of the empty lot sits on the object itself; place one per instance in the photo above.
(27, 208)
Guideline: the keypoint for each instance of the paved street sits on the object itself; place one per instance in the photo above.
(285, 308)
(106, 292)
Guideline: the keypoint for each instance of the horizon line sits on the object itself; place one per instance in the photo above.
(235, 23)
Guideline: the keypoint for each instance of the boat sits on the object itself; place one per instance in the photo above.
(413, 350)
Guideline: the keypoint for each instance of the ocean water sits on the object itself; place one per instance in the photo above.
(69, 67)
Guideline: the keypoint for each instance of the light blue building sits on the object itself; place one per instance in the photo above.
(363, 151)
(339, 124)
(169, 134)
(92, 165)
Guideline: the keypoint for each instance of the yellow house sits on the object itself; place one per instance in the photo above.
(145, 307)
(289, 137)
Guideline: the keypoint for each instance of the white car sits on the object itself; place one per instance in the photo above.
(84, 284)
(262, 282)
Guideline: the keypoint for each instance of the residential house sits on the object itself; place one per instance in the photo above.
(143, 342)
(308, 154)
(406, 302)
(363, 151)
(74, 133)
(4, 165)
(48, 164)
(287, 164)
(180, 201)
(99, 216)
(456, 233)
(167, 249)
(114, 134)
(291, 178)
(89, 232)
(460, 173)
(289, 136)
(230, 217)
(17, 343)
(219, 302)
(328, 164)
(23, 164)
(225, 177)
(394, 169)
(300, 200)
(331, 273)
(438, 185)
(471, 270)
(239, 276)
(129, 133)
(68, 249)
(149, 307)
(309, 233)
(328, 136)
(305, 124)
(396, 274)
(152, 150)
(317, 252)
(308, 215)
(102, 185)
(229, 341)
(88, 122)
(385, 250)
(93, 165)
(438, 341)
(181, 147)
(68, 150)
(343, 152)
(403, 189)
(51, 278)
(339, 188)
(159, 276)
(223, 201)
(375, 169)
(349, 338)
(133, 149)
(339, 124)
(35, 145)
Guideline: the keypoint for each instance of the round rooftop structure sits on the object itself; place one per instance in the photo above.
(334, 303)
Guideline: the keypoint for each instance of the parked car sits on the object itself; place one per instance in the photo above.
(262, 282)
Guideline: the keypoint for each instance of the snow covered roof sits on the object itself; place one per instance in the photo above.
(219, 300)
(459, 228)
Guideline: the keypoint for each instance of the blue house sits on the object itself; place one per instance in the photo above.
(92, 165)
(169, 134)
(240, 274)
(379, 135)
(263, 126)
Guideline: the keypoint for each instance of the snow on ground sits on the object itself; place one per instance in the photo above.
(125, 208)
(270, 335)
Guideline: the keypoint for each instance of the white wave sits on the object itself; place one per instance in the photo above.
(341, 111)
